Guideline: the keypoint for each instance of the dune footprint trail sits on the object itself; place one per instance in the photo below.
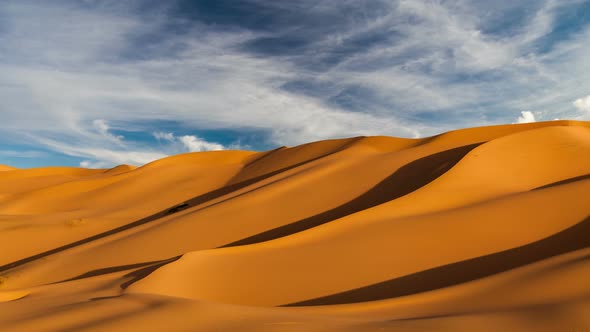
(480, 229)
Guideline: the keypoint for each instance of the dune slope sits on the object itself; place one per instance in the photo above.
(480, 229)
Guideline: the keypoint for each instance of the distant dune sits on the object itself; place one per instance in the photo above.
(6, 168)
(481, 229)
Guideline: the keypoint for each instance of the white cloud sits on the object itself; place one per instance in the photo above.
(164, 136)
(526, 117)
(74, 74)
(103, 156)
(448, 39)
(190, 143)
(94, 164)
(103, 129)
(583, 104)
(101, 126)
(195, 144)
(205, 86)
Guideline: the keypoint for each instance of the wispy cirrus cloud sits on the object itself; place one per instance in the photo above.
(95, 86)
(23, 154)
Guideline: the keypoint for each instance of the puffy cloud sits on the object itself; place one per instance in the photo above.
(195, 144)
(583, 104)
(190, 143)
(526, 117)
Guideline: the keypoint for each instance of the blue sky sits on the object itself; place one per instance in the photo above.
(102, 82)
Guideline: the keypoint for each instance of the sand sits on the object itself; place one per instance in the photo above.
(480, 229)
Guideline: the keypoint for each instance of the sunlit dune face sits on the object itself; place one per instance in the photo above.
(481, 229)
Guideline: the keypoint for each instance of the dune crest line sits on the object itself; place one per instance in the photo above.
(485, 226)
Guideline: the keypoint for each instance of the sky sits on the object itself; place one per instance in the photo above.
(96, 83)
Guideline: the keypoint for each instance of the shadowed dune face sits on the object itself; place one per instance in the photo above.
(405, 180)
(571, 239)
(482, 228)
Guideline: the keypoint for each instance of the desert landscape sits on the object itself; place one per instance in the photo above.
(480, 229)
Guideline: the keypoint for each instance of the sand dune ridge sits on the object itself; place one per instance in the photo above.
(477, 229)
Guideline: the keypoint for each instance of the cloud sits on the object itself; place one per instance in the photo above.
(98, 157)
(204, 85)
(190, 143)
(94, 164)
(164, 136)
(446, 62)
(526, 117)
(301, 71)
(195, 144)
(103, 129)
(583, 104)
(23, 154)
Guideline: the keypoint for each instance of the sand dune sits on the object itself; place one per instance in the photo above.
(6, 168)
(481, 229)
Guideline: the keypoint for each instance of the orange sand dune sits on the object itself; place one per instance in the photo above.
(481, 229)
(6, 168)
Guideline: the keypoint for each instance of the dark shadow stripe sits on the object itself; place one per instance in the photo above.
(566, 181)
(101, 298)
(574, 238)
(405, 180)
(254, 163)
(142, 273)
(112, 269)
(264, 156)
(181, 206)
(239, 185)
